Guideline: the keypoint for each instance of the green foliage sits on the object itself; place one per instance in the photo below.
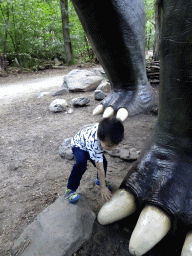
(150, 23)
(81, 46)
(31, 30)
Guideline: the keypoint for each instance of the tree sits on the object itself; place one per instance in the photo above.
(66, 32)
(157, 29)
(31, 31)
(150, 24)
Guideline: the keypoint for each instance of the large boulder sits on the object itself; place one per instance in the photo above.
(57, 231)
(99, 72)
(81, 80)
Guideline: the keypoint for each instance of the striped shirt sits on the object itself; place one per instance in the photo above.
(86, 139)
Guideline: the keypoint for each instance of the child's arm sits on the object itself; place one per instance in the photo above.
(105, 193)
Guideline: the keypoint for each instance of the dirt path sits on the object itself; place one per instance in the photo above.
(22, 86)
(32, 174)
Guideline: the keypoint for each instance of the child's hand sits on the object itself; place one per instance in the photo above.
(106, 193)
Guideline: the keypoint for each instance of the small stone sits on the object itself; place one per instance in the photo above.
(134, 154)
(42, 94)
(63, 91)
(104, 86)
(114, 152)
(100, 95)
(70, 111)
(131, 154)
(57, 62)
(81, 101)
(125, 154)
(65, 150)
(58, 105)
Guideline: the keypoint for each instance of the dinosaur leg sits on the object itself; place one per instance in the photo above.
(116, 30)
(159, 183)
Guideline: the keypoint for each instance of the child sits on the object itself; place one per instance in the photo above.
(88, 144)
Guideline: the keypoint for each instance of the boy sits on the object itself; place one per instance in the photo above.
(88, 144)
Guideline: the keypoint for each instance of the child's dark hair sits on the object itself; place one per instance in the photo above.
(111, 129)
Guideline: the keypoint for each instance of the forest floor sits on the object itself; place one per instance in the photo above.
(33, 175)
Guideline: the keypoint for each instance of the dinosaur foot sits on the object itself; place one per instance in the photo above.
(158, 186)
(126, 103)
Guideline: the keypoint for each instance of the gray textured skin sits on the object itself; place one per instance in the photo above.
(162, 176)
(116, 30)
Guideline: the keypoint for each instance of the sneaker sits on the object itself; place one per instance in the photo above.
(107, 184)
(72, 195)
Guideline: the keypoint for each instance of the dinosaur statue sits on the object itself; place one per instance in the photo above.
(159, 184)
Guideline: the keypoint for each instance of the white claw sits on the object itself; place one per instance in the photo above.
(108, 112)
(120, 206)
(98, 110)
(152, 225)
(187, 248)
(122, 114)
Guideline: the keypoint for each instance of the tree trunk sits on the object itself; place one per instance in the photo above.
(157, 29)
(66, 33)
(2, 62)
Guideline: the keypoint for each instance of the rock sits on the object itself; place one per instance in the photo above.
(17, 62)
(42, 94)
(134, 154)
(104, 86)
(58, 105)
(63, 91)
(131, 154)
(99, 72)
(70, 111)
(81, 80)
(59, 230)
(114, 152)
(68, 154)
(64, 85)
(100, 95)
(124, 153)
(65, 149)
(81, 101)
(57, 62)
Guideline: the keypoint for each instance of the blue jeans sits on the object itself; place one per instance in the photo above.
(80, 167)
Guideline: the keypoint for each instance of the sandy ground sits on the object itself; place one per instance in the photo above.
(33, 175)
